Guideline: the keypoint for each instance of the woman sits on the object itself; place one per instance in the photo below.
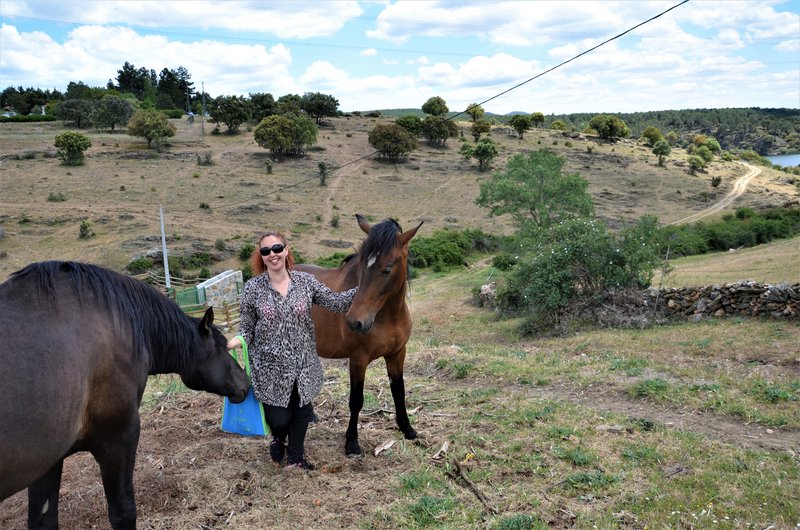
(276, 325)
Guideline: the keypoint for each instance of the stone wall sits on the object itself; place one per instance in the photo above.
(719, 301)
(732, 299)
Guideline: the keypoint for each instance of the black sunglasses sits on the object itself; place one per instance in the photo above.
(277, 248)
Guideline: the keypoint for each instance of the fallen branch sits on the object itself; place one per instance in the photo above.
(471, 485)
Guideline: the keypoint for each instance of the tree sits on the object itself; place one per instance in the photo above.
(71, 146)
(289, 104)
(392, 141)
(537, 118)
(411, 123)
(705, 153)
(437, 130)
(484, 151)
(112, 111)
(285, 134)
(520, 123)
(475, 112)
(319, 105)
(558, 125)
(230, 110)
(150, 125)
(536, 191)
(479, 127)
(662, 150)
(274, 133)
(695, 163)
(78, 111)
(609, 127)
(263, 105)
(435, 106)
(652, 135)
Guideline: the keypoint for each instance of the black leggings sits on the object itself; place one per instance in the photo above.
(292, 421)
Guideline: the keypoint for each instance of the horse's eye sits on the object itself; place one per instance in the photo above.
(387, 271)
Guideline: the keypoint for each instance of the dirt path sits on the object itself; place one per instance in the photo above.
(738, 189)
(709, 425)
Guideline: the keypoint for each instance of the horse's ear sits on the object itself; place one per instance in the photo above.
(207, 320)
(406, 236)
(362, 223)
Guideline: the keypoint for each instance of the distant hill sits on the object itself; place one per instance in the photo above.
(765, 131)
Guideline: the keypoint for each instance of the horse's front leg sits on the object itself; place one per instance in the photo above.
(117, 458)
(43, 499)
(394, 368)
(358, 371)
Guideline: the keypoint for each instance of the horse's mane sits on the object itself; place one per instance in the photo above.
(156, 322)
(381, 239)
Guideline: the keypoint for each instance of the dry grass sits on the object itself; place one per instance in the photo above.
(122, 185)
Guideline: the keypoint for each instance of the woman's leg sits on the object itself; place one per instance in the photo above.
(298, 426)
(278, 420)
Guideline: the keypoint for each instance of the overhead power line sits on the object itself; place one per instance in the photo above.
(537, 76)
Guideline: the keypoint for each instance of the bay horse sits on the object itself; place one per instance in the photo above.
(78, 343)
(378, 323)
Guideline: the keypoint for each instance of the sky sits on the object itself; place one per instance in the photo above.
(398, 54)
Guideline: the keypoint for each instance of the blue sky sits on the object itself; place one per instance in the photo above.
(376, 55)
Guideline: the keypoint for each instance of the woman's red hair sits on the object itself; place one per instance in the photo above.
(257, 263)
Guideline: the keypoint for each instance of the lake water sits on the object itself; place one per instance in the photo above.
(785, 160)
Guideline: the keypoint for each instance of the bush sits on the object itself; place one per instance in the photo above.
(85, 231)
(574, 261)
(139, 265)
(25, 118)
(246, 251)
(333, 261)
(56, 197)
(71, 146)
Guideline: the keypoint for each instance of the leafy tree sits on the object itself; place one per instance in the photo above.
(230, 110)
(112, 111)
(392, 141)
(285, 134)
(435, 106)
(475, 112)
(577, 260)
(438, 129)
(536, 191)
(133, 80)
(520, 123)
(290, 104)
(411, 123)
(484, 151)
(662, 150)
(609, 127)
(695, 163)
(71, 146)
(537, 118)
(78, 111)
(713, 146)
(263, 105)
(558, 125)
(319, 105)
(480, 127)
(150, 125)
(672, 138)
(275, 133)
(80, 90)
(705, 153)
(652, 135)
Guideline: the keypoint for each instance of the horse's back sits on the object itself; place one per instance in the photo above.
(49, 359)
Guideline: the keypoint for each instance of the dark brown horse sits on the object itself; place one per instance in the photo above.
(378, 323)
(78, 342)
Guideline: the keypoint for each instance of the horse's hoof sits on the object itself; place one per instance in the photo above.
(410, 434)
(355, 456)
(353, 450)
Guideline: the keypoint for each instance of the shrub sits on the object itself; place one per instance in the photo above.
(392, 141)
(206, 159)
(56, 197)
(220, 245)
(332, 261)
(26, 118)
(246, 251)
(139, 265)
(150, 125)
(71, 146)
(85, 231)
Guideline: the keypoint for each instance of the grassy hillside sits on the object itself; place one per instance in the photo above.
(216, 209)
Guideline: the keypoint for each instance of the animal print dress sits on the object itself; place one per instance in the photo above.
(279, 333)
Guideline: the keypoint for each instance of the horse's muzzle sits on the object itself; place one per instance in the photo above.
(360, 326)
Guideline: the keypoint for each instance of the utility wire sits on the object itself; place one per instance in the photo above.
(537, 76)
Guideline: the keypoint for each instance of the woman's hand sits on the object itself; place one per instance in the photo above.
(234, 343)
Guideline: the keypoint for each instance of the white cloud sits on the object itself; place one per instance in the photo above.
(789, 46)
(369, 52)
